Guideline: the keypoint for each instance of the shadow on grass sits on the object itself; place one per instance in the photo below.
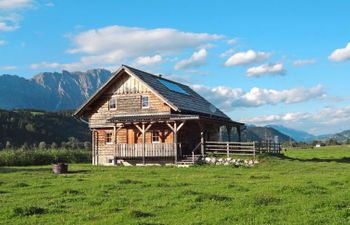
(20, 169)
(25, 169)
(337, 160)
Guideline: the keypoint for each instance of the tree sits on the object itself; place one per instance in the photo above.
(347, 141)
(54, 145)
(8, 145)
(87, 145)
(42, 145)
(332, 141)
(25, 146)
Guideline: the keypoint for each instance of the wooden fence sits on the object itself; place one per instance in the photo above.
(241, 148)
(147, 150)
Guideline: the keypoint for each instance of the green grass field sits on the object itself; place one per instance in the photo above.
(301, 187)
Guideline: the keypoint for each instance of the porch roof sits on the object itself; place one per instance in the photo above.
(168, 118)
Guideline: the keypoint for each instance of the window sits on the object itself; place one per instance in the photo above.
(144, 101)
(112, 104)
(109, 137)
(155, 137)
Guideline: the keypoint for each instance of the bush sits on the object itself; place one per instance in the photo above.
(20, 157)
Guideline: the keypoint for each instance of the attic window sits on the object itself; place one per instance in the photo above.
(112, 103)
(173, 86)
(144, 101)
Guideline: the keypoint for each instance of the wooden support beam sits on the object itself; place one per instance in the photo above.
(228, 128)
(181, 125)
(175, 141)
(143, 144)
(201, 127)
(239, 133)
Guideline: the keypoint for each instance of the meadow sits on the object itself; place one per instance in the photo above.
(299, 187)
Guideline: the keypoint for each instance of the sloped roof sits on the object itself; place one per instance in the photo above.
(184, 103)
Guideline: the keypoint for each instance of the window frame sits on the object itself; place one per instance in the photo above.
(148, 103)
(115, 103)
(106, 137)
(158, 137)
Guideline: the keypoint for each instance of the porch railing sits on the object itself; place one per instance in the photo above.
(149, 150)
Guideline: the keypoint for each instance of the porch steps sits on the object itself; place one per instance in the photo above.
(188, 161)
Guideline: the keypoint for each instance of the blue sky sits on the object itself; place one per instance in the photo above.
(262, 62)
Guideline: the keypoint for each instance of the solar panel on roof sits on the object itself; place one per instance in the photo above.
(173, 87)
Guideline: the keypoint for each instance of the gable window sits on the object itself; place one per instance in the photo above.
(109, 137)
(155, 137)
(112, 103)
(144, 101)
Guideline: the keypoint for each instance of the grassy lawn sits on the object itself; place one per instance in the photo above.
(301, 187)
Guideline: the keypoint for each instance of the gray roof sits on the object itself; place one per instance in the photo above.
(191, 103)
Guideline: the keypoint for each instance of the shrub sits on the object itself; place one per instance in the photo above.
(20, 157)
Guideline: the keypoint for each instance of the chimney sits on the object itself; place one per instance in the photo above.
(160, 75)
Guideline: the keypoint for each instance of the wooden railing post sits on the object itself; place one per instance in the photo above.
(228, 149)
(254, 150)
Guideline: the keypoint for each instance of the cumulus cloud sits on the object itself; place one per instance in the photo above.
(148, 60)
(326, 120)
(248, 57)
(232, 98)
(197, 59)
(9, 23)
(110, 44)
(340, 54)
(302, 62)
(272, 69)
(118, 44)
(14, 4)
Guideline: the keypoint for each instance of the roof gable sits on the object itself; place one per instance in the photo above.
(178, 96)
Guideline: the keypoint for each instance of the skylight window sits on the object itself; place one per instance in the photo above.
(173, 86)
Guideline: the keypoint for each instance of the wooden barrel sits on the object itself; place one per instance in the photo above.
(60, 168)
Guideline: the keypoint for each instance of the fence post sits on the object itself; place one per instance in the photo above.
(254, 149)
(228, 149)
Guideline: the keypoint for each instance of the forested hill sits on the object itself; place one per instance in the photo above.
(32, 127)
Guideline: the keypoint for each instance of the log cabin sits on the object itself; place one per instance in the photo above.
(138, 118)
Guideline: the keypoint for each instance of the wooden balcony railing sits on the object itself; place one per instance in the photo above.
(148, 150)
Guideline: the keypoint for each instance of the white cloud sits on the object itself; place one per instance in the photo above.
(248, 57)
(14, 4)
(149, 60)
(232, 98)
(272, 69)
(232, 41)
(2, 42)
(114, 43)
(227, 53)
(9, 23)
(302, 62)
(8, 67)
(197, 59)
(326, 120)
(340, 54)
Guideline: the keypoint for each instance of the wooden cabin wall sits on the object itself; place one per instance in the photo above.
(128, 92)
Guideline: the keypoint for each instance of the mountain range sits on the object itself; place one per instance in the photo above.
(50, 91)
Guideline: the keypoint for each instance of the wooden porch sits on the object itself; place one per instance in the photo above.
(146, 150)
